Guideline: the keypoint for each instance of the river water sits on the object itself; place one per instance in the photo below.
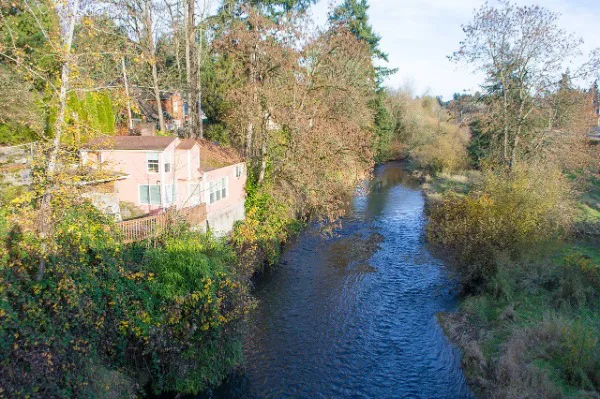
(354, 315)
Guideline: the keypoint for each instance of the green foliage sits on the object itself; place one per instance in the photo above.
(14, 133)
(384, 130)
(30, 41)
(480, 145)
(510, 213)
(430, 138)
(270, 8)
(353, 14)
(537, 341)
(268, 224)
(217, 132)
(94, 116)
(122, 315)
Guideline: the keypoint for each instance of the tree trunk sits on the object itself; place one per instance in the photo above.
(129, 115)
(263, 161)
(67, 43)
(159, 110)
(249, 135)
(505, 115)
(199, 84)
(152, 57)
(189, 43)
(253, 82)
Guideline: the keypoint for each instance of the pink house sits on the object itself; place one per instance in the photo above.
(164, 172)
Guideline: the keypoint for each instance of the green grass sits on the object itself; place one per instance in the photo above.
(591, 196)
(529, 302)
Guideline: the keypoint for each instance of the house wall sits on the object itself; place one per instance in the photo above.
(187, 167)
(224, 213)
(134, 164)
(185, 172)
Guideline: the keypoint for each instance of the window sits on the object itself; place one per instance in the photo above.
(212, 192)
(149, 194)
(223, 188)
(152, 161)
(218, 190)
(195, 192)
(167, 161)
(170, 193)
(239, 169)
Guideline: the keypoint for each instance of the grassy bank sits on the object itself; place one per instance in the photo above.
(109, 320)
(529, 320)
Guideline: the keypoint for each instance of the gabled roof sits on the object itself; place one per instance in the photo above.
(213, 156)
(186, 144)
(124, 143)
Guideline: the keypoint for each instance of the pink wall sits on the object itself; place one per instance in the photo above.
(236, 188)
(184, 173)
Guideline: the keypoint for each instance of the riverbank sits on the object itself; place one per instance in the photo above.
(530, 329)
(354, 313)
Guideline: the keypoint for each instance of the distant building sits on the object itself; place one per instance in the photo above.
(165, 172)
(174, 108)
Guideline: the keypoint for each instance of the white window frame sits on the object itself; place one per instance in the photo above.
(224, 187)
(218, 190)
(167, 161)
(239, 171)
(150, 156)
(149, 194)
(170, 194)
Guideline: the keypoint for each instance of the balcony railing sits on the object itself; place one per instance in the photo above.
(152, 226)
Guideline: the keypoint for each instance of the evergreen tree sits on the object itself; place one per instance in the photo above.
(353, 14)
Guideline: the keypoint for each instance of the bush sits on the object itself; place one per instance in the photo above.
(538, 360)
(509, 214)
(444, 151)
(578, 281)
(107, 320)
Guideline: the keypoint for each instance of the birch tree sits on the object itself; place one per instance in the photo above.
(523, 53)
(141, 19)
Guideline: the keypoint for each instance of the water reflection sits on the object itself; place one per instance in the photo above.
(353, 315)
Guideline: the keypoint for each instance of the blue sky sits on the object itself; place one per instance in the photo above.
(418, 35)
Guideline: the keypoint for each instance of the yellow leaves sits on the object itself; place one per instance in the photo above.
(23, 199)
(123, 326)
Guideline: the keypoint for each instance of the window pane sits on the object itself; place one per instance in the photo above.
(144, 195)
(212, 197)
(168, 193)
(155, 194)
(153, 166)
(167, 167)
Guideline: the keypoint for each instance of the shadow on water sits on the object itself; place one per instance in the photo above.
(353, 315)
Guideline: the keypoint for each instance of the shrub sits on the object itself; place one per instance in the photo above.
(509, 214)
(540, 360)
(129, 316)
(578, 281)
(443, 151)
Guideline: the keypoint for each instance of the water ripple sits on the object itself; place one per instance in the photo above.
(331, 324)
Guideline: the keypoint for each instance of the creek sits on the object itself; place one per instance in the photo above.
(353, 315)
